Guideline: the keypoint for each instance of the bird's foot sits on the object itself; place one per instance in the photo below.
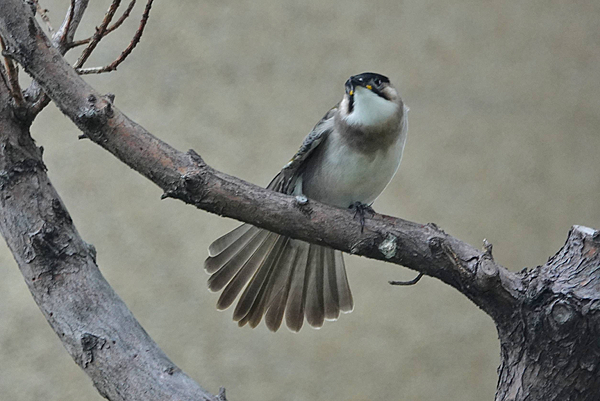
(360, 210)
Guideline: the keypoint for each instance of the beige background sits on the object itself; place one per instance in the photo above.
(503, 144)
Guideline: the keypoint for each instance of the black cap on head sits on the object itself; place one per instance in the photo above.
(369, 80)
(366, 77)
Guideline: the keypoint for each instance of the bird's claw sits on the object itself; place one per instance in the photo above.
(360, 210)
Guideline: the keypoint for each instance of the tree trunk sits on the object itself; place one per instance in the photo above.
(550, 344)
(93, 323)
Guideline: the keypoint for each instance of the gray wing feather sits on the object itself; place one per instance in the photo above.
(285, 180)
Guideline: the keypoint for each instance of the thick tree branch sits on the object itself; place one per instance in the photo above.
(549, 346)
(60, 270)
(185, 176)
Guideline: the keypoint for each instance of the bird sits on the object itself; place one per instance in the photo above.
(346, 160)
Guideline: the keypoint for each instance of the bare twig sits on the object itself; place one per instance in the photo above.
(122, 18)
(43, 12)
(99, 34)
(110, 29)
(134, 41)
(62, 39)
(12, 73)
(65, 34)
(407, 283)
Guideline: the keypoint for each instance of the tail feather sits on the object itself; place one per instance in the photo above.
(256, 286)
(276, 280)
(244, 274)
(223, 242)
(225, 273)
(330, 288)
(278, 277)
(314, 308)
(282, 284)
(345, 295)
(225, 255)
(294, 314)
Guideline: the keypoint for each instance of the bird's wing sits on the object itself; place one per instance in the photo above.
(283, 182)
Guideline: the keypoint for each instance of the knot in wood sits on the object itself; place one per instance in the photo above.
(89, 343)
(487, 271)
(95, 116)
(561, 312)
(388, 246)
(561, 317)
(435, 244)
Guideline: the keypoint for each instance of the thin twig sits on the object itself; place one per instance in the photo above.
(61, 40)
(98, 35)
(4, 75)
(110, 29)
(65, 33)
(13, 78)
(410, 282)
(43, 12)
(136, 39)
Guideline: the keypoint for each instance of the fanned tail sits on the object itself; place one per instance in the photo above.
(279, 277)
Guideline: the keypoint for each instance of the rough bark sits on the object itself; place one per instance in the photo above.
(546, 318)
(550, 346)
(93, 323)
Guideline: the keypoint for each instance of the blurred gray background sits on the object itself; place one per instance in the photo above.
(503, 144)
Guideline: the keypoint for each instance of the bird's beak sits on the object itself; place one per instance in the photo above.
(350, 86)
(353, 82)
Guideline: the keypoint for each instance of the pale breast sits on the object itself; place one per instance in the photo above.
(340, 175)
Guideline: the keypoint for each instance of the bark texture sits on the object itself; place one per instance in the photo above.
(93, 323)
(550, 346)
(546, 318)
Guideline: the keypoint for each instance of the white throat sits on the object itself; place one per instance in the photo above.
(370, 109)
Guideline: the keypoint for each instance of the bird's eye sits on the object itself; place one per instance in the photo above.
(377, 82)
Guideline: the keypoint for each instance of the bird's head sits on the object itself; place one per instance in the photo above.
(370, 100)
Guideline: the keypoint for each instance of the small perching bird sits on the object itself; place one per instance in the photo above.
(347, 160)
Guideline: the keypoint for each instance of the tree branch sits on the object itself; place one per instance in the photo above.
(424, 248)
(100, 33)
(125, 53)
(62, 40)
(60, 270)
(12, 74)
(44, 15)
(110, 29)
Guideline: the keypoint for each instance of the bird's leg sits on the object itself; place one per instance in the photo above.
(360, 210)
